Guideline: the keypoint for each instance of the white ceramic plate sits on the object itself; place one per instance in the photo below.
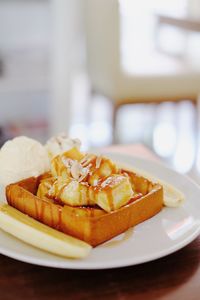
(167, 232)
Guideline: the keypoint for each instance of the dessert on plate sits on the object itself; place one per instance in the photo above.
(86, 197)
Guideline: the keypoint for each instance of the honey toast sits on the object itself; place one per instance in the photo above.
(91, 224)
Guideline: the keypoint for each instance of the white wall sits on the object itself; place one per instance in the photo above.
(65, 59)
(24, 24)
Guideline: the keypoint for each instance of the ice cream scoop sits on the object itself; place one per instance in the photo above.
(21, 158)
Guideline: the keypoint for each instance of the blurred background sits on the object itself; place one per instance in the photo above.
(105, 71)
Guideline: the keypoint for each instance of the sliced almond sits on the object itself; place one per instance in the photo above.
(98, 161)
(76, 170)
(87, 159)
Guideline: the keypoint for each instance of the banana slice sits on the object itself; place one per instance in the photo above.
(172, 196)
(39, 235)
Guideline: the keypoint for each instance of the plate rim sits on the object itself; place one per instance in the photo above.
(73, 264)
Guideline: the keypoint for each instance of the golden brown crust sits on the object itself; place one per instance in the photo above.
(92, 225)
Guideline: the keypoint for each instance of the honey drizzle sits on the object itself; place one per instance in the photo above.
(40, 214)
(59, 192)
(52, 218)
(59, 165)
(110, 199)
(135, 197)
(36, 208)
(42, 211)
(59, 226)
(126, 236)
(11, 199)
(24, 205)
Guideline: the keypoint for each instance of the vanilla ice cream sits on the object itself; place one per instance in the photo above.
(59, 144)
(21, 158)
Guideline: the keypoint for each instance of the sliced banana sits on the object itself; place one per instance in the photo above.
(39, 235)
(173, 197)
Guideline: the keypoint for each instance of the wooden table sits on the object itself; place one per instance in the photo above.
(176, 276)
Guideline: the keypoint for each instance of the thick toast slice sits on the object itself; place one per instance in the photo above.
(90, 224)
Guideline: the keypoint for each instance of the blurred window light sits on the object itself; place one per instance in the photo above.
(100, 133)
(80, 131)
(185, 152)
(198, 152)
(176, 229)
(136, 33)
(172, 40)
(132, 123)
(193, 53)
(138, 41)
(164, 139)
(184, 156)
(198, 160)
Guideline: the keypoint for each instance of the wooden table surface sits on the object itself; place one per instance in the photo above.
(176, 276)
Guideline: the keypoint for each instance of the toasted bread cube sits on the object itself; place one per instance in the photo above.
(113, 192)
(90, 167)
(106, 168)
(139, 183)
(44, 187)
(74, 154)
(71, 192)
(58, 167)
(61, 164)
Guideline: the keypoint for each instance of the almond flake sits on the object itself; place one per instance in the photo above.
(98, 161)
(87, 159)
(68, 162)
(82, 177)
(75, 170)
(84, 173)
